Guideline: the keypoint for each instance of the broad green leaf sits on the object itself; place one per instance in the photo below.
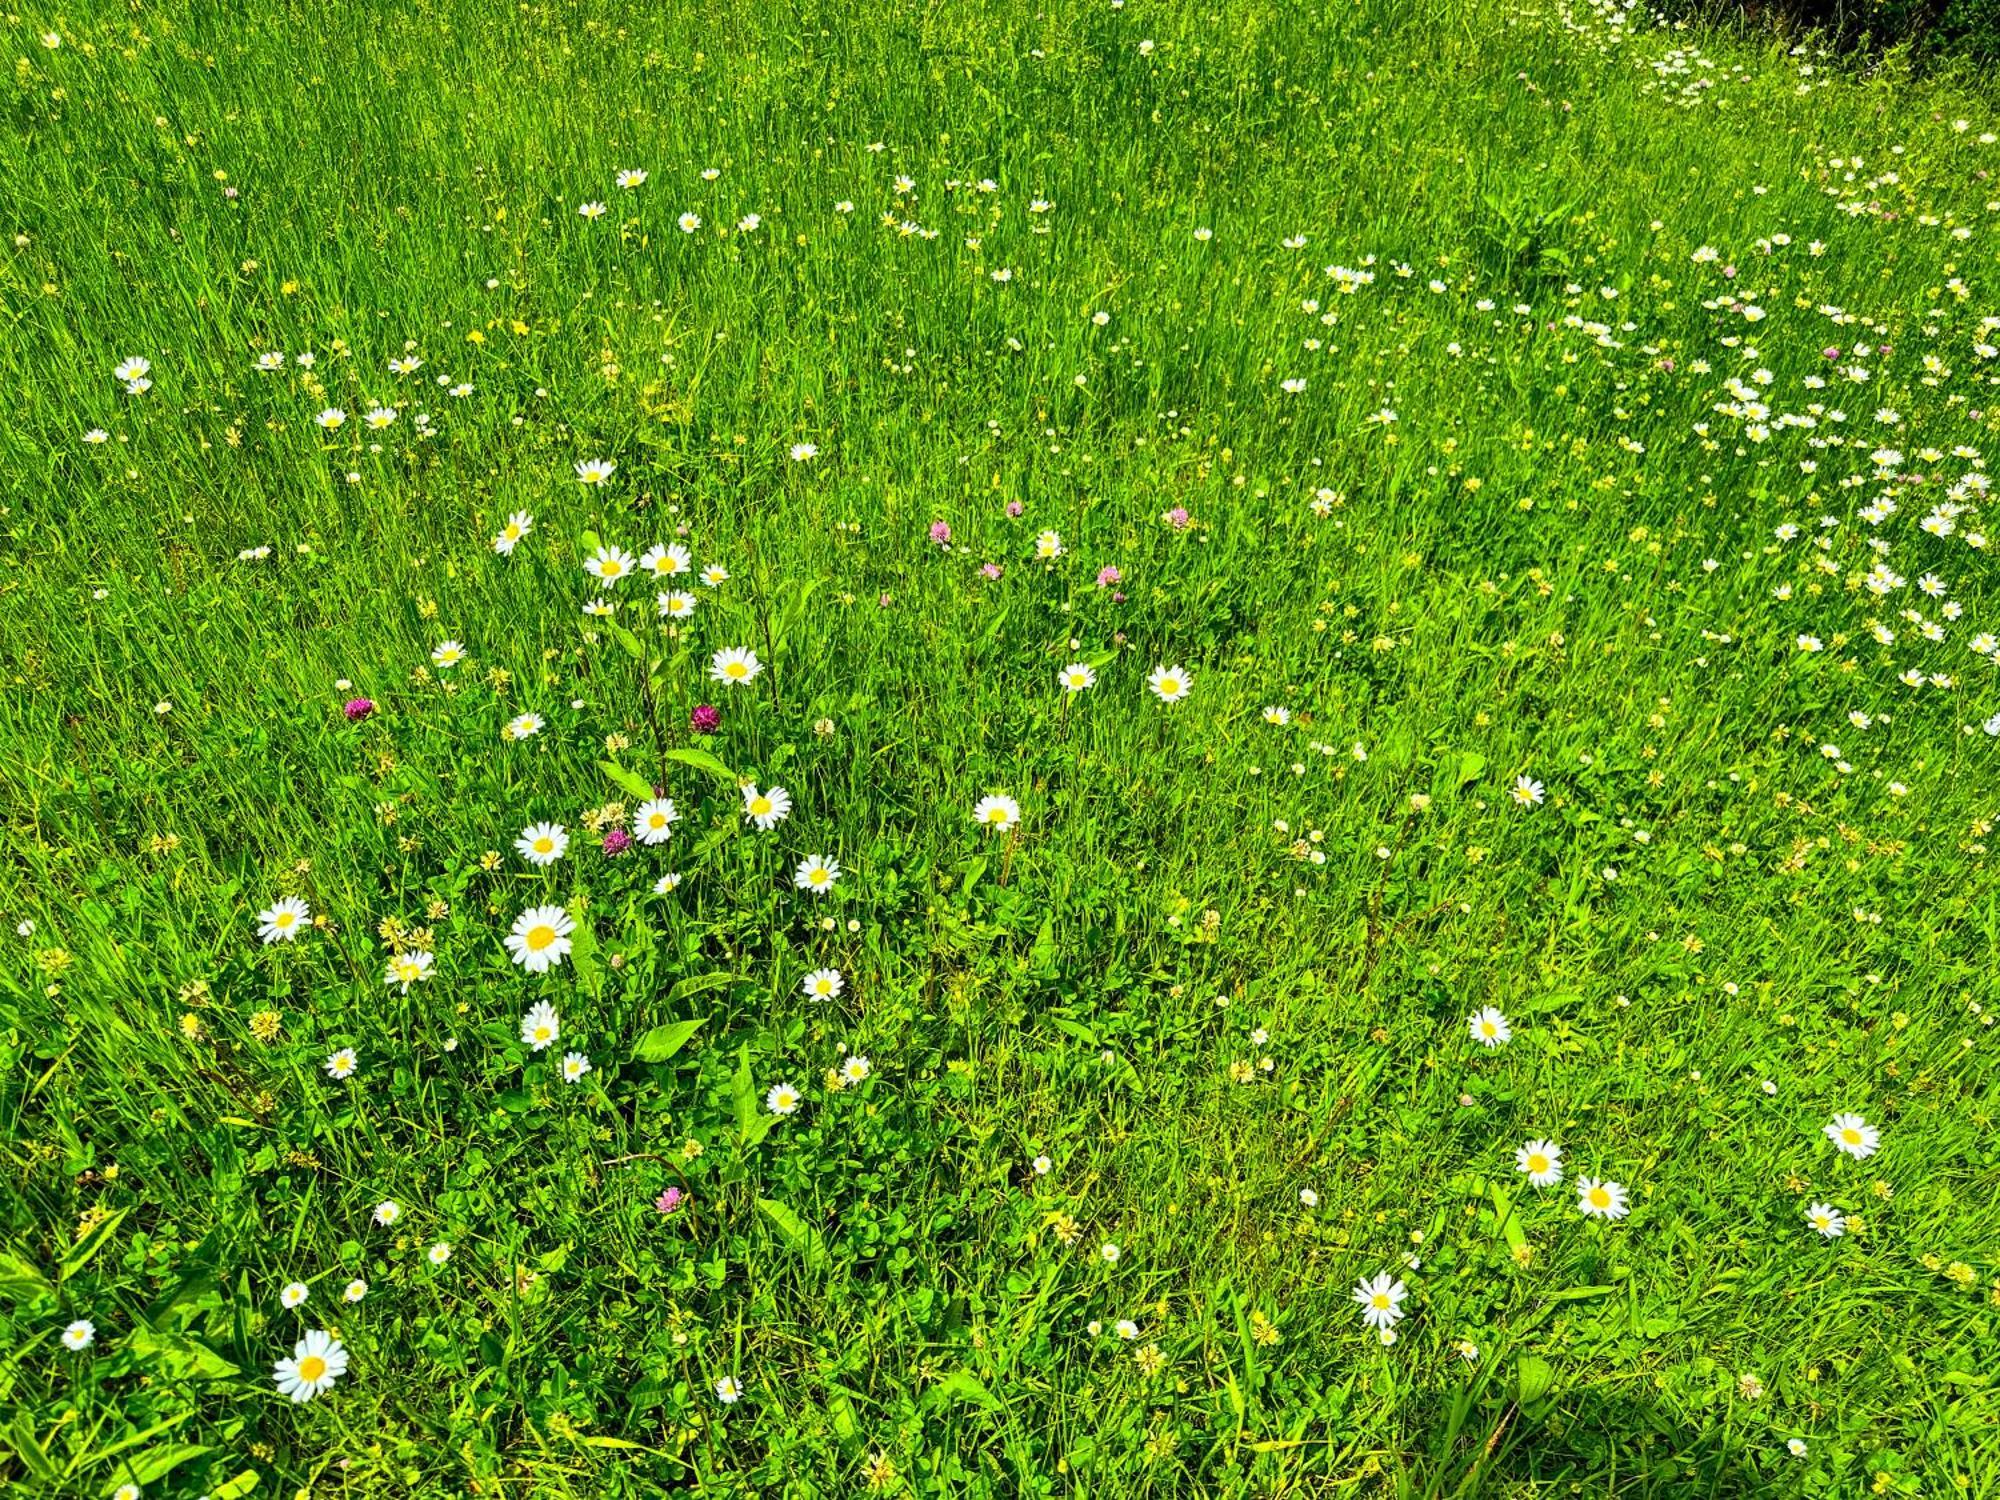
(81, 1254)
(963, 1385)
(20, 1278)
(1533, 1377)
(628, 781)
(803, 1239)
(154, 1465)
(662, 1042)
(238, 1487)
(175, 1356)
(701, 760)
(698, 984)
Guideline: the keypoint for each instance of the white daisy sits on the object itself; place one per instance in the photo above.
(540, 1027)
(574, 1066)
(1170, 684)
(540, 938)
(1541, 1162)
(768, 808)
(997, 813)
(823, 984)
(735, 665)
(318, 1360)
(653, 823)
(542, 844)
(1381, 1300)
(283, 920)
(1488, 1027)
(1600, 1200)
(1826, 1220)
(816, 873)
(665, 561)
(782, 1099)
(1076, 678)
(1854, 1135)
(609, 565)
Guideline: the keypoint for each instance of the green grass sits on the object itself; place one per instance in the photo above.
(1222, 961)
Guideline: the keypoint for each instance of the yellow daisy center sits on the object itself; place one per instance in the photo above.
(735, 669)
(1850, 1135)
(760, 805)
(311, 1368)
(1538, 1163)
(1381, 1299)
(1599, 1198)
(544, 844)
(540, 937)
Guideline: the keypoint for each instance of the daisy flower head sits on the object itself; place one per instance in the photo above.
(804, 452)
(439, 1253)
(574, 1066)
(1275, 714)
(380, 417)
(609, 565)
(676, 605)
(728, 1390)
(1601, 1200)
(283, 920)
(783, 1099)
(714, 575)
(331, 418)
(653, 823)
(1381, 1300)
(665, 560)
(735, 665)
(1049, 544)
(855, 1069)
(134, 367)
(1853, 1135)
(590, 210)
(540, 1027)
(542, 844)
(387, 1212)
(522, 727)
(1077, 677)
(342, 1064)
(447, 654)
(998, 813)
(407, 969)
(816, 873)
(767, 808)
(79, 1335)
(318, 1360)
(1527, 791)
(1826, 1220)
(689, 222)
(540, 939)
(667, 884)
(519, 524)
(295, 1294)
(1540, 1162)
(823, 984)
(632, 177)
(1488, 1027)
(1170, 684)
(354, 1291)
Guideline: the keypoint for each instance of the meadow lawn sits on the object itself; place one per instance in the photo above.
(807, 748)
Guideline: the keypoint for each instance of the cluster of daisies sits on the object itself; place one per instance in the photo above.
(1381, 1297)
